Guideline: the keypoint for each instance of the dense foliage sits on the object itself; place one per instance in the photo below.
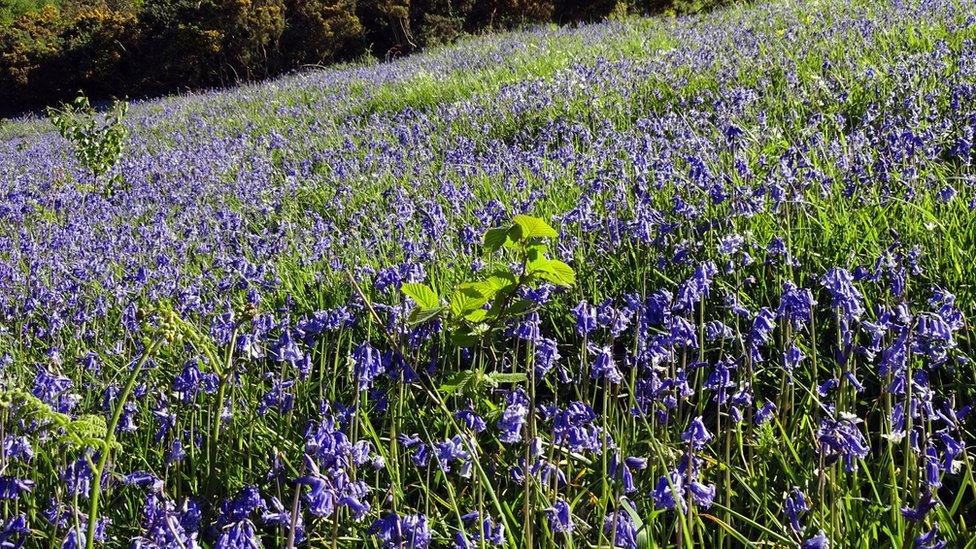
(701, 281)
(51, 49)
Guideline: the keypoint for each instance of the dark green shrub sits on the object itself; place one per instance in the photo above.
(320, 30)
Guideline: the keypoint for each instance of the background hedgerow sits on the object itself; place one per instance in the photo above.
(51, 49)
(301, 314)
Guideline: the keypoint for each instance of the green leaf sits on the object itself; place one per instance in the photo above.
(476, 316)
(533, 227)
(499, 378)
(521, 307)
(489, 287)
(420, 315)
(558, 273)
(422, 295)
(456, 382)
(464, 339)
(536, 252)
(496, 238)
(467, 299)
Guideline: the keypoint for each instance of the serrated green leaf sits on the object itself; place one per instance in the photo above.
(533, 227)
(496, 238)
(499, 378)
(419, 315)
(464, 339)
(536, 252)
(467, 299)
(539, 265)
(456, 382)
(521, 306)
(558, 273)
(489, 287)
(422, 295)
(476, 316)
(500, 279)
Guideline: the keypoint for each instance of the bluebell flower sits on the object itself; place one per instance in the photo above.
(696, 435)
(761, 332)
(560, 517)
(953, 448)
(575, 428)
(188, 382)
(658, 308)
(716, 330)
(625, 468)
(322, 496)
(844, 295)
(176, 452)
(604, 366)
(926, 503)
(818, 541)
(78, 475)
(625, 531)
(585, 318)
(702, 494)
(730, 244)
(796, 305)
(240, 507)
(14, 531)
(855, 383)
(421, 453)
(487, 532)
(51, 388)
(143, 479)
(368, 365)
(669, 492)
(450, 450)
(353, 496)
(166, 526)
(12, 487)
(683, 333)
(513, 417)
(546, 355)
(278, 396)
(276, 514)
(239, 535)
(75, 538)
(826, 387)
(696, 288)
(842, 439)
(765, 413)
(930, 539)
(933, 338)
(930, 464)
(409, 532)
(470, 419)
(18, 448)
(794, 505)
(527, 328)
(792, 358)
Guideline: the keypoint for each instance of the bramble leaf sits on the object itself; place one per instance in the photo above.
(533, 227)
(496, 238)
(422, 295)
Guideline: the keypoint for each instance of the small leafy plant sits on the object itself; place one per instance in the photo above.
(479, 307)
(97, 141)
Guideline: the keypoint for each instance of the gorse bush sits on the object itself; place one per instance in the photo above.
(698, 281)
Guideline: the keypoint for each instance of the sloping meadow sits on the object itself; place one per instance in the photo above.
(767, 214)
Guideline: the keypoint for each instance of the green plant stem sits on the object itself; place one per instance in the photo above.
(103, 458)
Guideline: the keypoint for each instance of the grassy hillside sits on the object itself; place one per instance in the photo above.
(295, 320)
